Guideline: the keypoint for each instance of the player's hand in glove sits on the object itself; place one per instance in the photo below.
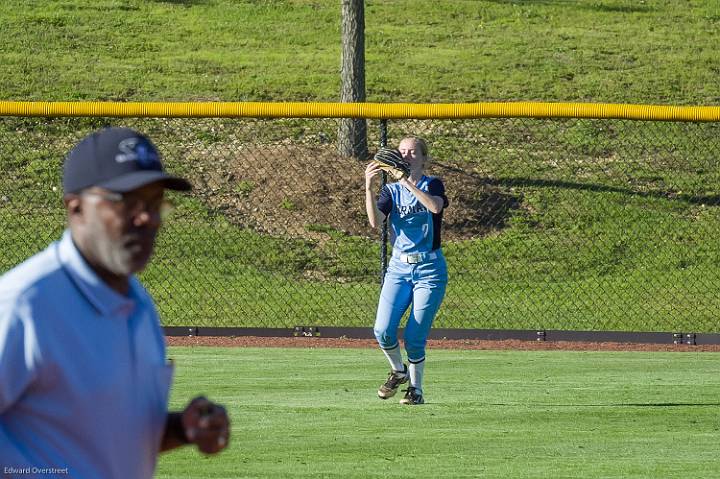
(391, 161)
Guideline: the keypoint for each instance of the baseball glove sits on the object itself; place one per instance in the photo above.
(391, 161)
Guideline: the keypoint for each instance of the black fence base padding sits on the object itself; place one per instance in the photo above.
(688, 338)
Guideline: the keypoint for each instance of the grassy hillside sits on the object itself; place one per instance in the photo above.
(575, 224)
(660, 51)
(582, 224)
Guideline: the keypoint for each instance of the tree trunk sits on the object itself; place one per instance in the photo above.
(352, 134)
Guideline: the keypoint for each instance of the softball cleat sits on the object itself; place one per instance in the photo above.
(394, 380)
(412, 397)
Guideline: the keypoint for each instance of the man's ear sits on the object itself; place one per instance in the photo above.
(73, 204)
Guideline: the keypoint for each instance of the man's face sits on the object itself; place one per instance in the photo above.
(117, 231)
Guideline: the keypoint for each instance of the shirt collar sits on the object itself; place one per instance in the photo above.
(105, 299)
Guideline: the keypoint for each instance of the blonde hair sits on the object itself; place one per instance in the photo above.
(420, 142)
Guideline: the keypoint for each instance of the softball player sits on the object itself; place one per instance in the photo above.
(417, 273)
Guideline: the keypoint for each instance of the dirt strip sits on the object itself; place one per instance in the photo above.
(309, 342)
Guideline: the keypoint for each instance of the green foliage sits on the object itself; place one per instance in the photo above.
(287, 204)
(315, 228)
(244, 187)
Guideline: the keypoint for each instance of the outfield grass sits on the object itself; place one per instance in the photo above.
(519, 414)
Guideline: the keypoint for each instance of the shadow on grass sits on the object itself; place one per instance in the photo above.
(707, 200)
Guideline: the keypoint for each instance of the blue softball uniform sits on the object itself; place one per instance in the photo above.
(417, 272)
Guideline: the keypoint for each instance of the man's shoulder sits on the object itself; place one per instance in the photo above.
(38, 271)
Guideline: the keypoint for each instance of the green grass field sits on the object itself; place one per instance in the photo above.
(658, 51)
(496, 414)
(621, 214)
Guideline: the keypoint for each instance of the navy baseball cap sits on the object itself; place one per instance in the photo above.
(117, 159)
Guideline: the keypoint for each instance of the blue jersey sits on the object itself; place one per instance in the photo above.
(413, 229)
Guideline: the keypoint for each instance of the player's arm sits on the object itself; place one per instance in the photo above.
(202, 423)
(375, 216)
(434, 203)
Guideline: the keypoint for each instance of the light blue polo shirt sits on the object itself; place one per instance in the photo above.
(83, 379)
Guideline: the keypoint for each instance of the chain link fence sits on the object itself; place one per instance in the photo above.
(572, 224)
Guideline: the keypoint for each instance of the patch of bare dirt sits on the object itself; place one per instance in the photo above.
(300, 191)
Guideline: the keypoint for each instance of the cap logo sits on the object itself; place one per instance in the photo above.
(134, 149)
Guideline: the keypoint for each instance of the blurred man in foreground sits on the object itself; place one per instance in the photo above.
(84, 381)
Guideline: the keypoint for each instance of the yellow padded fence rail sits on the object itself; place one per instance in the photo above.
(362, 110)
